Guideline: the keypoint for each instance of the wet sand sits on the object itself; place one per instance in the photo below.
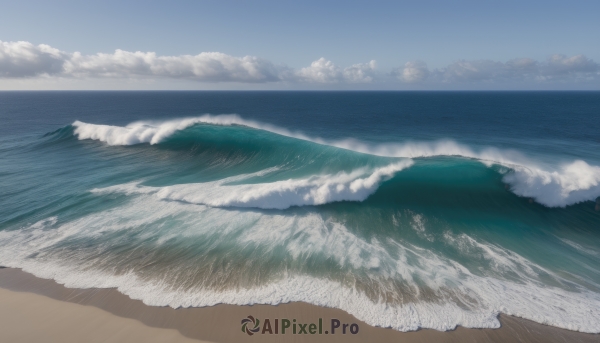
(29, 317)
(30, 305)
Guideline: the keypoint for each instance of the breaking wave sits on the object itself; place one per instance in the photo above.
(550, 185)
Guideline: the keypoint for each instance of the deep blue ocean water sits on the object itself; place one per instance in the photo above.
(405, 209)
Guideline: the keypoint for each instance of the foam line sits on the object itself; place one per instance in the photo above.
(33, 250)
(316, 190)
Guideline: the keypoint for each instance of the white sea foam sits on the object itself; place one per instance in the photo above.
(300, 236)
(557, 186)
(572, 183)
(316, 190)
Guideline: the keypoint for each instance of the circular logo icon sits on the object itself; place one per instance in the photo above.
(250, 325)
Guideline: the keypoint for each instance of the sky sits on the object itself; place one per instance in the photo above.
(287, 45)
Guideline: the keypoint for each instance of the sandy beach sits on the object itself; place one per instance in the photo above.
(29, 317)
(34, 309)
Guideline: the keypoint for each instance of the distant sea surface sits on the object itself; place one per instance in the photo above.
(406, 209)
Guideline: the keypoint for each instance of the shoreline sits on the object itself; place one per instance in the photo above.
(221, 323)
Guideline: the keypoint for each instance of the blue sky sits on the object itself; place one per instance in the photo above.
(300, 45)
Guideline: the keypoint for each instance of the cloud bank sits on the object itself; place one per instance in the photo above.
(23, 59)
(555, 68)
(26, 61)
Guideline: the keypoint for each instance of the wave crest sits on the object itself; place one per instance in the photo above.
(550, 186)
(573, 183)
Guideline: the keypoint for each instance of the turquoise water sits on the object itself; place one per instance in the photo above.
(407, 210)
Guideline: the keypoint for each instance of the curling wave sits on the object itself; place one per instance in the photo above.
(552, 186)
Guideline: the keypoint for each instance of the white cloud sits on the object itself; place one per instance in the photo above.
(23, 59)
(363, 72)
(578, 65)
(320, 70)
(522, 64)
(556, 68)
(206, 66)
(42, 63)
(324, 71)
(472, 71)
(415, 71)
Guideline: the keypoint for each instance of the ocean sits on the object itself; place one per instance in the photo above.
(406, 209)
